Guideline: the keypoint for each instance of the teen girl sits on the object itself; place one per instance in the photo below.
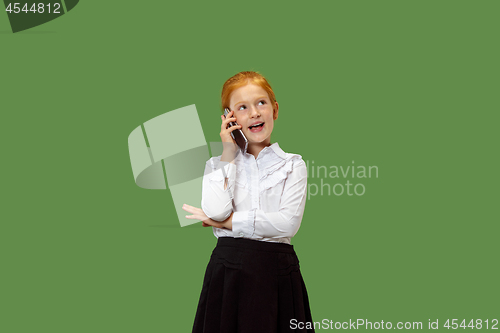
(254, 200)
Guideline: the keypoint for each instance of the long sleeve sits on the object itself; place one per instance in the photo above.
(216, 202)
(286, 221)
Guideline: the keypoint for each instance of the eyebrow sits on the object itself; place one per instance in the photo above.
(261, 97)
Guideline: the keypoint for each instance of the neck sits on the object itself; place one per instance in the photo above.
(255, 148)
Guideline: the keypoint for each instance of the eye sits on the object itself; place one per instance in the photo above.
(242, 107)
(263, 102)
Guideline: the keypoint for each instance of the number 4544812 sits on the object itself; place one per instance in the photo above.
(35, 8)
(478, 324)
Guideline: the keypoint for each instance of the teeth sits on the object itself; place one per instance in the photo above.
(256, 124)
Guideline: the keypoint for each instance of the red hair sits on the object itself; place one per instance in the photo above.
(241, 79)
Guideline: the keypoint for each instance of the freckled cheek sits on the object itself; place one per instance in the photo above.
(241, 120)
(266, 108)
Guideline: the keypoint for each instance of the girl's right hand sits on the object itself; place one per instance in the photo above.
(225, 133)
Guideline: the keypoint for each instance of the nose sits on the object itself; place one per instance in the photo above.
(254, 112)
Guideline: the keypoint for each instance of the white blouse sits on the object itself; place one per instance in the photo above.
(267, 194)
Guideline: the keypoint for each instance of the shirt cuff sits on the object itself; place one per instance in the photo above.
(243, 224)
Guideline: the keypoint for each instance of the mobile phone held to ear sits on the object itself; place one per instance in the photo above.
(237, 134)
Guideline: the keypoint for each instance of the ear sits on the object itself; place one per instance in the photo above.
(276, 109)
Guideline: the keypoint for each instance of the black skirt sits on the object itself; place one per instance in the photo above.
(252, 286)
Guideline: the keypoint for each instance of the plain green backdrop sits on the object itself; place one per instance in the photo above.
(408, 86)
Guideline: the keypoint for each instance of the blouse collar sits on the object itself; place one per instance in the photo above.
(274, 148)
(270, 152)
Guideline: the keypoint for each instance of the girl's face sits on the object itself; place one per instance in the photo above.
(251, 105)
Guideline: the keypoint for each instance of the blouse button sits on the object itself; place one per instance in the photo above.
(241, 234)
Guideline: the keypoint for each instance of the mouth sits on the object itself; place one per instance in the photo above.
(256, 128)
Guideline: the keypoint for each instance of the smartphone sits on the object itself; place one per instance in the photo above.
(237, 134)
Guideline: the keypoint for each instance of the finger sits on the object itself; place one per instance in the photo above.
(197, 214)
(229, 116)
(232, 128)
(225, 123)
(194, 217)
(187, 209)
(191, 209)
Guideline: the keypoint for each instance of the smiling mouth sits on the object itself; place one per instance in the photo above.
(256, 126)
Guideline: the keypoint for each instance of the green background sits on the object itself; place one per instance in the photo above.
(408, 86)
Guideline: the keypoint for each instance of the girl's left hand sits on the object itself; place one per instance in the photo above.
(198, 214)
